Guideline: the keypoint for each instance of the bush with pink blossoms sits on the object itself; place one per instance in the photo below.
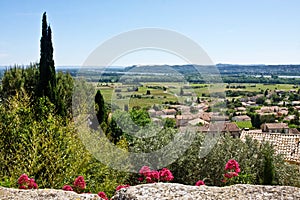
(152, 176)
(232, 169)
(166, 175)
(25, 182)
(233, 165)
(199, 183)
(122, 186)
(102, 195)
(67, 188)
(79, 184)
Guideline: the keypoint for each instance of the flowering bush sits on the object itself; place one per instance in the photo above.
(122, 186)
(166, 175)
(233, 168)
(199, 183)
(67, 188)
(79, 184)
(102, 195)
(25, 182)
(145, 171)
(153, 176)
(233, 164)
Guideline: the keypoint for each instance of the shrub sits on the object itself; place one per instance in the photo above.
(153, 176)
(102, 195)
(36, 141)
(199, 183)
(250, 157)
(26, 183)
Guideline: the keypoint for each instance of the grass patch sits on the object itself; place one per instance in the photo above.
(244, 124)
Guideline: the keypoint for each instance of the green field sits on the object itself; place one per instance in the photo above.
(244, 124)
(159, 96)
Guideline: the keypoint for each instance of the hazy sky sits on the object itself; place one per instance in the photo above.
(253, 31)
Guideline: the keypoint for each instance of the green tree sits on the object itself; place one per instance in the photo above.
(140, 116)
(181, 92)
(20, 78)
(266, 92)
(64, 91)
(268, 172)
(100, 107)
(47, 79)
(255, 120)
(260, 100)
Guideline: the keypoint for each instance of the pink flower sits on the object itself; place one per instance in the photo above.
(23, 179)
(22, 187)
(67, 188)
(237, 170)
(149, 180)
(232, 164)
(145, 171)
(79, 183)
(102, 195)
(32, 184)
(231, 174)
(122, 186)
(26, 183)
(166, 175)
(200, 182)
(154, 175)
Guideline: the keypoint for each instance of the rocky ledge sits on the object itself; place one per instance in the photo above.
(167, 191)
(16, 194)
(164, 191)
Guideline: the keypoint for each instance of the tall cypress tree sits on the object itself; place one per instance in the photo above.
(47, 82)
(100, 107)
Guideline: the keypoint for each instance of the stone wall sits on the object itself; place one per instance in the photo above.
(40, 194)
(164, 191)
(167, 191)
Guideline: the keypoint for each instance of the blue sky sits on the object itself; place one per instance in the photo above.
(231, 31)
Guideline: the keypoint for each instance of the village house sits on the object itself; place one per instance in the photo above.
(152, 112)
(241, 118)
(169, 111)
(279, 92)
(273, 110)
(283, 103)
(297, 108)
(295, 103)
(221, 127)
(289, 118)
(248, 103)
(275, 128)
(241, 109)
(217, 118)
(197, 121)
(205, 116)
(182, 120)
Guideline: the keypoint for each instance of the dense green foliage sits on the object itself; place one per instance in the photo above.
(268, 172)
(17, 78)
(37, 141)
(254, 160)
